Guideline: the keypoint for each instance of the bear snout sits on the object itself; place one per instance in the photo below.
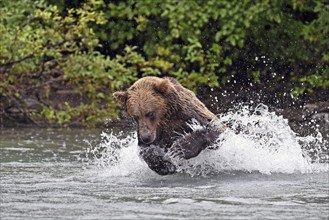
(146, 136)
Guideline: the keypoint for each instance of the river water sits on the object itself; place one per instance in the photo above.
(261, 170)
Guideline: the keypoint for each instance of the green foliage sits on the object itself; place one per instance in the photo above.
(97, 47)
(316, 34)
(42, 49)
(210, 41)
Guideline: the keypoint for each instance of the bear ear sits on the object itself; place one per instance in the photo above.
(164, 86)
(121, 97)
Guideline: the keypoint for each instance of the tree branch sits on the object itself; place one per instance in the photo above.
(12, 62)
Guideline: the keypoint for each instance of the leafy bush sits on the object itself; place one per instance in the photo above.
(40, 48)
(95, 47)
(210, 41)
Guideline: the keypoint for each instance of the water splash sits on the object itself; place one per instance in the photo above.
(257, 141)
(117, 153)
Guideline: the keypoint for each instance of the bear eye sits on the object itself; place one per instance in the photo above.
(150, 115)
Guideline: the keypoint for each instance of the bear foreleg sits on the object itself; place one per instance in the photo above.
(192, 144)
(154, 157)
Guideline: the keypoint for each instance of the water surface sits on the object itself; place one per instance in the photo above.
(89, 174)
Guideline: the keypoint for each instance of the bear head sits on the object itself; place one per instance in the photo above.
(150, 101)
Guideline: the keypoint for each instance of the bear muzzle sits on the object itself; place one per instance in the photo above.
(146, 135)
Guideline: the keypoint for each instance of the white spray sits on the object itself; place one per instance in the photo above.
(256, 141)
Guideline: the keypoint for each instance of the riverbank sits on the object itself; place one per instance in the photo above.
(305, 114)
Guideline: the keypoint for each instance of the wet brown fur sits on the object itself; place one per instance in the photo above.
(173, 105)
(162, 108)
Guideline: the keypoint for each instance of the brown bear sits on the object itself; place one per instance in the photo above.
(163, 110)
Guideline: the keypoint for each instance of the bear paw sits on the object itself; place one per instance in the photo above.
(184, 149)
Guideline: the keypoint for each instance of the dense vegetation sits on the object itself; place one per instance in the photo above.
(95, 47)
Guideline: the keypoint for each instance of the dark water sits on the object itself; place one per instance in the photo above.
(45, 174)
